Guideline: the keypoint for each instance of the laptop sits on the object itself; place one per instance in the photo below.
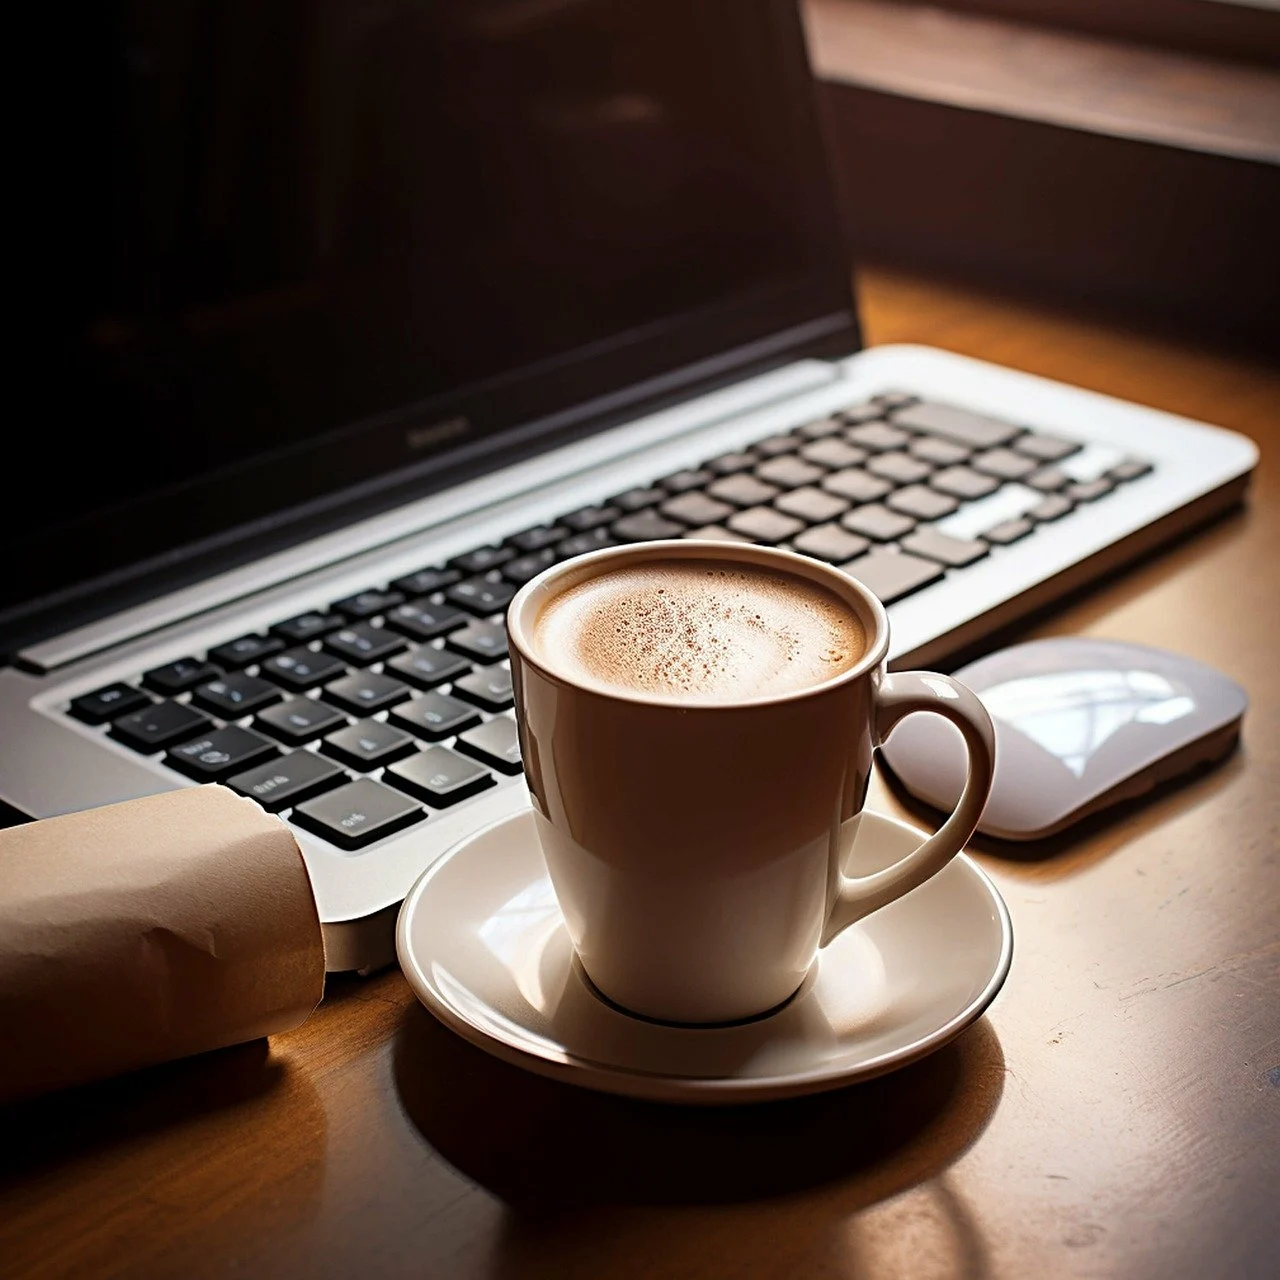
(352, 319)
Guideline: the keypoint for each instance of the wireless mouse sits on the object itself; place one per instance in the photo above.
(1080, 724)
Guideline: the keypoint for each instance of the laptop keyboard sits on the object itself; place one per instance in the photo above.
(358, 720)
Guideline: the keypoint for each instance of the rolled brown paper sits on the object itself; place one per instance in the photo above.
(146, 931)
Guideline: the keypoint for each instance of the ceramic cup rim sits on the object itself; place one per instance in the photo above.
(526, 602)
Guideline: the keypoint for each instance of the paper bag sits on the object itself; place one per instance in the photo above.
(148, 930)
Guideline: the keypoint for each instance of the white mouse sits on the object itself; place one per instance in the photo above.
(1080, 724)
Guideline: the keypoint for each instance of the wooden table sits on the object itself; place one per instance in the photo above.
(1116, 1114)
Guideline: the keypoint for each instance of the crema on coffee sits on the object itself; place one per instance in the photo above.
(711, 631)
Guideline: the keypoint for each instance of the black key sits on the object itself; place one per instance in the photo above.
(892, 574)
(367, 604)
(1003, 463)
(961, 482)
(424, 581)
(427, 667)
(588, 518)
(856, 485)
(365, 692)
(235, 695)
(899, 468)
(879, 437)
(773, 446)
(480, 596)
(638, 499)
(861, 413)
(1008, 531)
(581, 543)
(180, 675)
(877, 522)
(813, 506)
(789, 472)
(1089, 490)
(244, 651)
(363, 643)
(894, 399)
(821, 429)
(715, 533)
(1045, 448)
(1048, 479)
(921, 503)
(295, 777)
(490, 688)
(439, 776)
(483, 559)
(542, 535)
(423, 620)
(301, 669)
(942, 453)
(830, 542)
(434, 716)
(357, 814)
(1054, 507)
(495, 743)
(1129, 469)
(695, 508)
(483, 641)
(306, 626)
(645, 526)
(522, 568)
(972, 429)
(763, 524)
(683, 481)
(743, 491)
(216, 755)
(162, 724)
(942, 547)
(107, 703)
(729, 464)
(298, 720)
(833, 454)
(368, 744)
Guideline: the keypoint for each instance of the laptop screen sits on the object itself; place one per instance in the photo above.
(293, 250)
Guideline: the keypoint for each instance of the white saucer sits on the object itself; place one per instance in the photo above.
(481, 940)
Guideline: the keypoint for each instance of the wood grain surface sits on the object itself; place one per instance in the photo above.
(1116, 1113)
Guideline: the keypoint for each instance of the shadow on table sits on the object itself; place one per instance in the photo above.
(73, 1123)
(539, 1143)
(204, 1166)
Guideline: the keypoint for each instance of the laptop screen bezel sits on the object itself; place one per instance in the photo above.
(449, 439)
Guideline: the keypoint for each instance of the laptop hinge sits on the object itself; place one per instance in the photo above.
(418, 516)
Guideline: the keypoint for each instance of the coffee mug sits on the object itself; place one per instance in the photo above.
(696, 846)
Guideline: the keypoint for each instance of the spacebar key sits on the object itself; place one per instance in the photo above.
(892, 574)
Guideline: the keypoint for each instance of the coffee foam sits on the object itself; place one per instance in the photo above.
(705, 630)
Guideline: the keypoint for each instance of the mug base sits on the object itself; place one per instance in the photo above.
(580, 970)
(883, 995)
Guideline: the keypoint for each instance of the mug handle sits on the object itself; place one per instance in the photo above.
(900, 693)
